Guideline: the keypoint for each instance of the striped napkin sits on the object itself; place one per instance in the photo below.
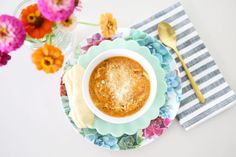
(219, 96)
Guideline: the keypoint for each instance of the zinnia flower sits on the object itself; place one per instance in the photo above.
(48, 58)
(12, 33)
(56, 10)
(108, 25)
(68, 24)
(4, 58)
(35, 24)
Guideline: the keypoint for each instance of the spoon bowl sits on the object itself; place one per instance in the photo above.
(167, 34)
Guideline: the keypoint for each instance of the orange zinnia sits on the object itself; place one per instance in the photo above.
(35, 24)
(108, 25)
(48, 58)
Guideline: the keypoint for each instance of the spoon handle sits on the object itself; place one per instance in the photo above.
(190, 77)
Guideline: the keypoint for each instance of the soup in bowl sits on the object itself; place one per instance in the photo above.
(119, 85)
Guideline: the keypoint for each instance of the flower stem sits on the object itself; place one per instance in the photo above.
(49, 39)
(87, 23)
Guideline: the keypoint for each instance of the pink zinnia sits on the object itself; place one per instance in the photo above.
(12, 33)
(56, 10)
(4, 58)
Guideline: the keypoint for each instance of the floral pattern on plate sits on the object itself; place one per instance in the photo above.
(167, 112)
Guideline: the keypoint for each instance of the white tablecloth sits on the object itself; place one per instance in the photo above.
(32, 122)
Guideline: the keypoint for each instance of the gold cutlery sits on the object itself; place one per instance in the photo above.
(168, 36)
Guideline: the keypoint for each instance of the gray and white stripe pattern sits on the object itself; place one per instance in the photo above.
(216, 90)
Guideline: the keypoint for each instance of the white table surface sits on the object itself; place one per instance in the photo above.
(32, 122)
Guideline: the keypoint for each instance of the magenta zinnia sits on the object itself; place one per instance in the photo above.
(56, 10)
(4, 58)
(12, 33)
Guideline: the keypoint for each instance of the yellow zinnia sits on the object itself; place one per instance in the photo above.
(108, 25)
(48, 58)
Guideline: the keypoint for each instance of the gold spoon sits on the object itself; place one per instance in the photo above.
(168, 36)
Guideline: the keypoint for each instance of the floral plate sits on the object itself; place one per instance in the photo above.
(167, 112)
